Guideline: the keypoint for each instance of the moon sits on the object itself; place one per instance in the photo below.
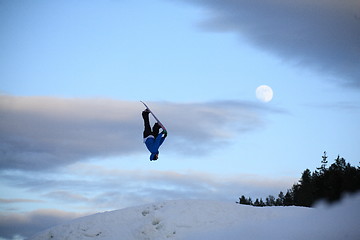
(264, 93)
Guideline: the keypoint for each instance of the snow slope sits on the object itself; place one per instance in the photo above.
(197, 219)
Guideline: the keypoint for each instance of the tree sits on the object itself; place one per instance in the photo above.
(289, 198)
(280, 199)
(335, 180)
(270, 201)
(328, 183)
(243, 200)
(305, 191)
(323, 163)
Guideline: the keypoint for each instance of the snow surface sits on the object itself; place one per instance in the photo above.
(198, 219)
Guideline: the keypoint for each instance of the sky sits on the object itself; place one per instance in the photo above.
(72, 74)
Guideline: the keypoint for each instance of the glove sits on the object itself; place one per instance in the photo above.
(165, 133)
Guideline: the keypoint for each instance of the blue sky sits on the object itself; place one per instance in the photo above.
(72, 74)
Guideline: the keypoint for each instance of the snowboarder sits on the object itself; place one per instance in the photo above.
(152, 138)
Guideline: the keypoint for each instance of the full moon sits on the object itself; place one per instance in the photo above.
(264, 93)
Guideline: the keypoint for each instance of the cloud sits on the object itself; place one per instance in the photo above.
(66, 196)
(94, 186)
(42, 132)
(18, 200)
(89, 187)
(322, 35)
(342, 106)
(31, 223)
(47, 132)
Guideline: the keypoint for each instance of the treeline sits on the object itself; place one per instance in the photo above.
(325, 183)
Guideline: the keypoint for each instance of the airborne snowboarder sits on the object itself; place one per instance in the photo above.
(152, 138)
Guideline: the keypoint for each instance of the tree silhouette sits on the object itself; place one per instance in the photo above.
(323, 163)
(327, 183)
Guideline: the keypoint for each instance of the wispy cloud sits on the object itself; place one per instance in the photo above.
(30, 223)
(322, 35)
(342, 106)
(66, 196)
(47, 132)
(18, 200)
(92, 188)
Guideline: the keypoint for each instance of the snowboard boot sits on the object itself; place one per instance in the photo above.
(145, 112)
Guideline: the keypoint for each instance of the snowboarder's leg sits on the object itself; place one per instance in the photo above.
(155, 129)
(147, 128)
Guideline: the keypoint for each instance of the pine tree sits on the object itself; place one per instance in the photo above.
(323, 163)
(262, 204)
(270, 201)
(289, 198)
(250, 201)
(280, 199)
(306, 197)
(243, 200)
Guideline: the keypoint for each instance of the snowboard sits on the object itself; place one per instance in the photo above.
(157, 120)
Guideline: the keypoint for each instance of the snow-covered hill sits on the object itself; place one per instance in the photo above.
(196, 219)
